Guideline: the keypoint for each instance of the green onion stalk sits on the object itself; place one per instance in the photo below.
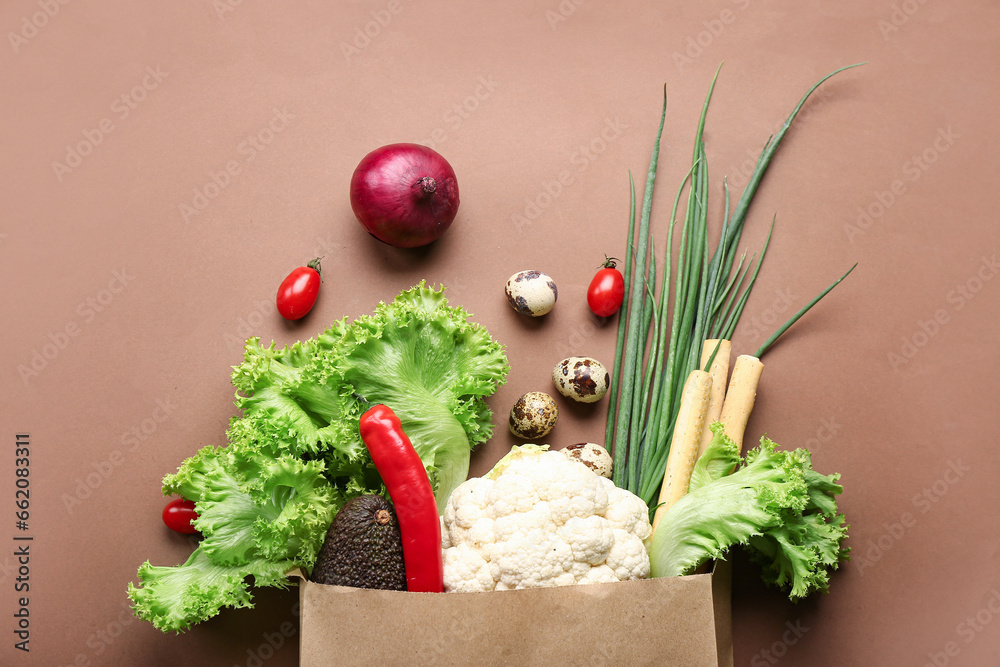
(699, 296)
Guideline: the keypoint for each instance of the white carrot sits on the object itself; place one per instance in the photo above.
(685, 442)
(740, 397)
(719, 370)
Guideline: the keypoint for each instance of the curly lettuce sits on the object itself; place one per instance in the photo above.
(775, 504)
(295, 456)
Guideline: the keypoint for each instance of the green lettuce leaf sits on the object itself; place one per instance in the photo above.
(172, 598)
(295, 455)
(775, 504)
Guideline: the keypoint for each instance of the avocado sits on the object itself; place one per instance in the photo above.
(362, 548)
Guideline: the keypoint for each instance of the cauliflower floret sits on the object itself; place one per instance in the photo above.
(465, 571)
(542, 519)
(590, 538)
(628, 557)
(468, 502)
(445, 536)
(511, 493)
(467, 505)
(602, 574)
(481, 534)
(535, 559)
(627, 511)
(571, 488)
(539, 516)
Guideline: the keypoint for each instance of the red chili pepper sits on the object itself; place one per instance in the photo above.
(412, 495)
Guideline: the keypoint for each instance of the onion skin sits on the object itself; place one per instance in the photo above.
(405, 195)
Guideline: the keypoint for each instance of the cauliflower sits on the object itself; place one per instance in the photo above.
(539, 519)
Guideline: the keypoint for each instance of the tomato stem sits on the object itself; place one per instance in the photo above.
(314, 265)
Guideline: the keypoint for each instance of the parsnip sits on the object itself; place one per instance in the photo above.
(719, 370)
(686, 440)
(740, 397)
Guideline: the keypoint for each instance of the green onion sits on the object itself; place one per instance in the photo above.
(699, 296)
(795, 318)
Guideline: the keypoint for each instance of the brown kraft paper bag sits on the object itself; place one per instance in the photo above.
(683, 621)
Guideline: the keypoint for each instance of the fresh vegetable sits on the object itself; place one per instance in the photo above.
(775, 504)
(582, 379)
(179, 515)
(295, 454)
(541, 519)
(607, 290)
(405, 195)
(686, 439)
(531, 293)
(260, 515)
(740, 397)
(410, 489)
(591, 455)
(298, 291)
(715, 353)
(672, 320)
(534, 415)
(362, 548)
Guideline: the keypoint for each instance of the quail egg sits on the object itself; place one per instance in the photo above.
(582, 379)
(533, 415)
(591, 455)
(531, 293)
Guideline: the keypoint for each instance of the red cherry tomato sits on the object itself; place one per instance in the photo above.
(179, 515)
(607, 290)
(298, 291)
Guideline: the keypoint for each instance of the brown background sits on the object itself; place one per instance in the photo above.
(545, 89)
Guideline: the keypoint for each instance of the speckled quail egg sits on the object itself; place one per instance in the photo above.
(533, 415)
(593, 456)
(583, 379)
(531, 293)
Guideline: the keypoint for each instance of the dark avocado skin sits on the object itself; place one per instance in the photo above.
(359, 551)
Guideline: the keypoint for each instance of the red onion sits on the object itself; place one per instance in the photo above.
(404, 194)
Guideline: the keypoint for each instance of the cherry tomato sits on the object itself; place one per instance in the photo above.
(179, 515)
(298, 291)
(607, 290)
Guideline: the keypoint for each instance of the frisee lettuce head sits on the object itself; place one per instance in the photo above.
(295, 456)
